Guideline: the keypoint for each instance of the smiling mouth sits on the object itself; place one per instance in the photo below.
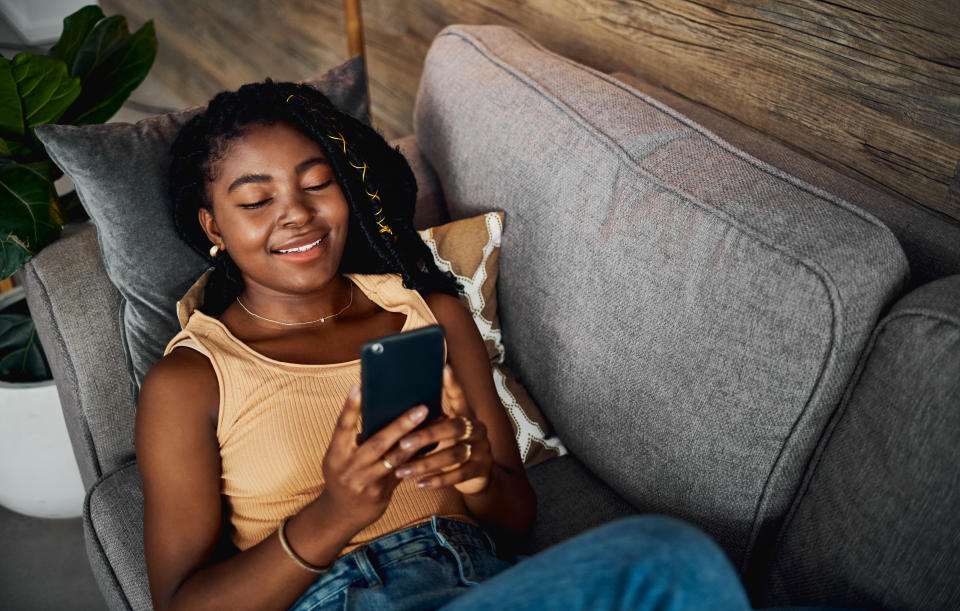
(303, 248)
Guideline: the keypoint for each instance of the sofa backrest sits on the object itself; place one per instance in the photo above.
(686, 316)
(877, 521)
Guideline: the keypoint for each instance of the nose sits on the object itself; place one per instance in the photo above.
(295, 211)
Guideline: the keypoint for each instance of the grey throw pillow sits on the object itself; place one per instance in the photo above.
(120, 173)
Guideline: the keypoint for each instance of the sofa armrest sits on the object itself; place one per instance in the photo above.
(113, 528)
(74, 306)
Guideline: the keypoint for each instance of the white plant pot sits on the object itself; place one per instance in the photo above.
(39, 476)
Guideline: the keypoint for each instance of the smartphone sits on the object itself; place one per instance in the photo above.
(398, 372)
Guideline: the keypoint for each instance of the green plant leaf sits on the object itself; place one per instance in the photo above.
(21, 355)
(76, 28)
(45, 87)
(112, 81)
(29, 217)
(99, 43)
(11, 112)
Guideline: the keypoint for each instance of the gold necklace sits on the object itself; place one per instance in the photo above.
(295, 324)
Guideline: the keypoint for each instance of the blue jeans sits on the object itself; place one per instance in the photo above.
(644, 562)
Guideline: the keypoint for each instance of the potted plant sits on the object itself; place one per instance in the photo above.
(85, 78)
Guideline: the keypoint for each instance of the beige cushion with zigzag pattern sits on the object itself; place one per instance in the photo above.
(470, 249)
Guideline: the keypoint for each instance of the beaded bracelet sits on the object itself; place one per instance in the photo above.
(281, 533)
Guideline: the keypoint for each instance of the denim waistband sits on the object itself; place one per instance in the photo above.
(362, 563)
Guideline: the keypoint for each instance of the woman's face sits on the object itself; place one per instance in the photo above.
(278, 210)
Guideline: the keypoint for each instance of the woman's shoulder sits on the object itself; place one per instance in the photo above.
(183, 381)
(451, 313)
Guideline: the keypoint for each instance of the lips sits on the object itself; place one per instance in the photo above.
(300, 244)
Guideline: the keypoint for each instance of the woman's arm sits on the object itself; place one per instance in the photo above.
(493, 482)
(179, 461)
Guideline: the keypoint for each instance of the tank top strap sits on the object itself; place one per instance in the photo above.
(388, 292)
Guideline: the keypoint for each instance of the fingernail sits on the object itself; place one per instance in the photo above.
(354, 392)
(403, 472)
(418, 414)
(425, 484)
(406, 444)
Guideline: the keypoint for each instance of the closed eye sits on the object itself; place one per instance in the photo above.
(254, 204)
(319, 187)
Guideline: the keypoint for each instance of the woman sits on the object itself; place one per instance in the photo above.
(257, 492)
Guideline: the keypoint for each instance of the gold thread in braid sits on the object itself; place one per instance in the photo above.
(375, 196)
(362, 168)
(341, 139)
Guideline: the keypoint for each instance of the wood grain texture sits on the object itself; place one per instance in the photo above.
(870, 87)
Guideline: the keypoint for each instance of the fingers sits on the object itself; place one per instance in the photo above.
(445, 432)
(373, 450)
(345, 432)
(453, 394)
(442, 461)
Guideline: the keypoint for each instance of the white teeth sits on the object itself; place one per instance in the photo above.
(301, 248)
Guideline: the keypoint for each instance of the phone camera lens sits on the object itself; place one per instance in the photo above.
(377, 348)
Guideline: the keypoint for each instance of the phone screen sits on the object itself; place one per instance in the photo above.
(398, 372)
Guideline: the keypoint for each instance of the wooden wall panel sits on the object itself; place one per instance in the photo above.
(871, 87)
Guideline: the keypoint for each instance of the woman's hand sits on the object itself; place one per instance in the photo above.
(359, 478)
(463, 458)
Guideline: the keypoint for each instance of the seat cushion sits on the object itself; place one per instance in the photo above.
(877, 524)
(685, 315)
(570, 500)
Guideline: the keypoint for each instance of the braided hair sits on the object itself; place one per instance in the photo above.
(376, 181)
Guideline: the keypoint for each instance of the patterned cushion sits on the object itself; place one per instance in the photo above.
(470, 249)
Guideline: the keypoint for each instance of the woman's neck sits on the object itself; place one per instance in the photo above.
(272, 307)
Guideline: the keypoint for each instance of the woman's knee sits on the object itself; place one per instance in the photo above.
(659, 539)
(674, 555)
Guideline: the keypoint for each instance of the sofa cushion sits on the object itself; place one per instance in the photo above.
(570, 500)
(470, 250)
(877, 524)
(685, 315)
(120, 174)
(931, 241)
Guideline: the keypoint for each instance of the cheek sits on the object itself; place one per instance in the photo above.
(243, 236)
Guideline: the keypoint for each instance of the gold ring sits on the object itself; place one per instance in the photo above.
(469, 453)
(386, 463)
(468, 428)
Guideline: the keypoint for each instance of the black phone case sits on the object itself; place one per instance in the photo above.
(398, 372)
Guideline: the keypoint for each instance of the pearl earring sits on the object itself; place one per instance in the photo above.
(214, 251)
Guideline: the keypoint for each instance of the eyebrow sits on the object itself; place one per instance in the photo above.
(303, 166)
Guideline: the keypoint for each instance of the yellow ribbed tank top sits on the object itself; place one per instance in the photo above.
(276, 420)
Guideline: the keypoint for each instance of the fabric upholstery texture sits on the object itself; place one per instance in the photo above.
(470, 249)
(431, 209)
(74, 307)
(113, 528)
(877, 524)
(931, 241)
(570, 500)
(707, 308)
(120, 174)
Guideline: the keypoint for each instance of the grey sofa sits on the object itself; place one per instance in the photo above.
(711, 337)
